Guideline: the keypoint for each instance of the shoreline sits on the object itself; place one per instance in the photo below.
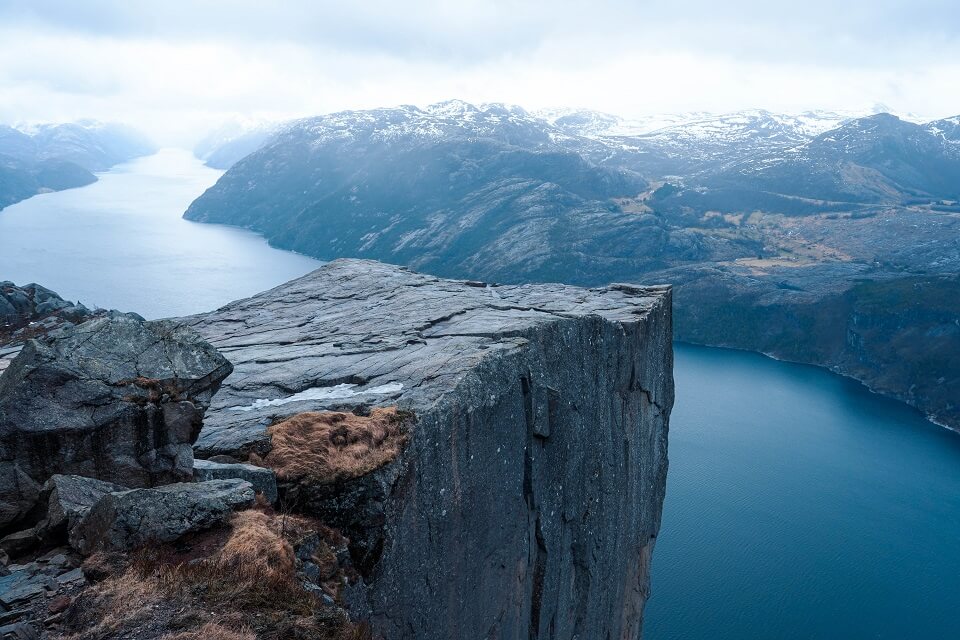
(929, 417)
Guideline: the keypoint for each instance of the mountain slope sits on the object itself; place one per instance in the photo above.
(877, 160)
(20, 180)
(948, 128)
(53, 157)
(441, 188)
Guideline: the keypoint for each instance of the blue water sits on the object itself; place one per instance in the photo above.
(121, 243)
(799, 505)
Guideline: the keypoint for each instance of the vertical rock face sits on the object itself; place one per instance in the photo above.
(115, 398)
(526, 501)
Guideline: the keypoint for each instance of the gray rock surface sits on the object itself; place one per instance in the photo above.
(528, 498)
(115, 398)
(69, 499)
(30, 591)
(263, 480)
(126, 520)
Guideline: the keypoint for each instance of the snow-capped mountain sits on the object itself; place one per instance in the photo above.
(947, 129)
(452, 119)
(879, 159)
(94, 145)
(817, 155)
(596, 124)
(407, 184)
(749, 127)
(692, 143)
(699, 125)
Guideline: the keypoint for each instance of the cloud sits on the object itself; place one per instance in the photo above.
(178, 67)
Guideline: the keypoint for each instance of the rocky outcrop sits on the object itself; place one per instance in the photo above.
(526, 494)
(262, 480)
(30, 311)
(22, 305)
(115, 398)
(125, 520)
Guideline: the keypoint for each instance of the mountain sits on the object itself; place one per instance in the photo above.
(817, 238)
(880, 158)
(596, 124)
(95, 146)
(718, 143)
(444, 188)
(16, 144)
(864, 162)
(20, 180)
(53, 157)
(233, 141)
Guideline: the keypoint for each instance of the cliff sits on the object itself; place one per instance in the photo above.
(522, 496)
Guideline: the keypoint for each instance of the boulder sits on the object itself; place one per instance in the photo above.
(69, 499)
(126, 520)
(263, 480)
(116, 398)
(20, 542)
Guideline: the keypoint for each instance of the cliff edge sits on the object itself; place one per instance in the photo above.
(522, 495)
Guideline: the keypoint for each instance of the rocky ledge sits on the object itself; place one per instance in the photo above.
(521, 494)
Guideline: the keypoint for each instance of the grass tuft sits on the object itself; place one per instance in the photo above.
(329, 447)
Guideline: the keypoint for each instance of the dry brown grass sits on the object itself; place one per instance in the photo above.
(125, 601)
(255, 551)
(238, 583)
(255, 568)
(333, 446)
(103, 564)
(212, 631)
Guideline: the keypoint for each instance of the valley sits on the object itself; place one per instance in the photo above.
(745, 430)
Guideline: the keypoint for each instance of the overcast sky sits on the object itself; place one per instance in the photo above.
(177, 67)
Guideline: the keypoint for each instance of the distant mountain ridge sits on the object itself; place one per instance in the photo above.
(817, 238)
(233, 141)
(428, 187)
(53, 157)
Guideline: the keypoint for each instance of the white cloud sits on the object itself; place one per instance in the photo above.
(177, 68)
